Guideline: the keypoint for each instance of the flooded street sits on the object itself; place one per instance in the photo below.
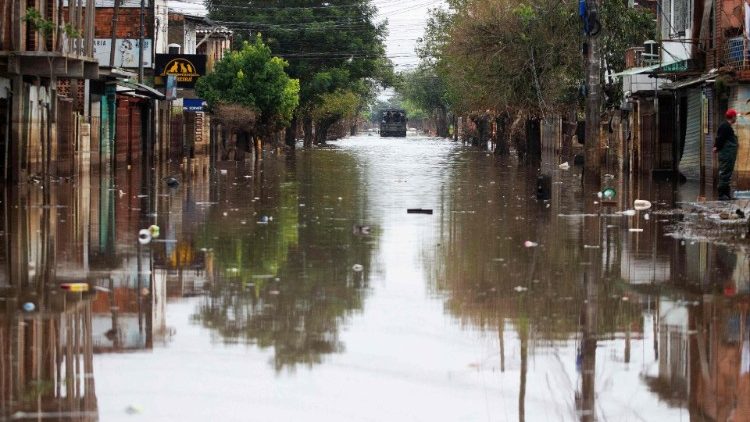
(299, 288)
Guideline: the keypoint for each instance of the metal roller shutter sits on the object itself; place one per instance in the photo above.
(690, 161)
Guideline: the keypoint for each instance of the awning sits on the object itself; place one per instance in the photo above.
(685, 83)
(637, 71)
(114, 73)
(142, 90)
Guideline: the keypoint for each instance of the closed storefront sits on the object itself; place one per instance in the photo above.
(710, 165)
(690, 161)
(739, 101)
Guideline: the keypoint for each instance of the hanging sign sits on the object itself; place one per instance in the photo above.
(186, 68)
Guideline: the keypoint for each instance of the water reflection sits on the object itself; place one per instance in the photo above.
(46, 342)
(283, 262)
(497, 307)
(601, 288)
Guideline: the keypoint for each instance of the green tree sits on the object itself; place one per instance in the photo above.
(250, 91)
(424, 89)
(331, 46)
(622, 27)
(333, 107)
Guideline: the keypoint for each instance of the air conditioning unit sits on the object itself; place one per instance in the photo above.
(650, 55)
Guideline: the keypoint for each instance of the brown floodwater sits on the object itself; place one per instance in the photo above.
(298, 288)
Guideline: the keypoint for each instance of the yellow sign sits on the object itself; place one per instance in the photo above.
(182, 69)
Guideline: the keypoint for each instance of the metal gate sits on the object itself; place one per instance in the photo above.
(690, 163)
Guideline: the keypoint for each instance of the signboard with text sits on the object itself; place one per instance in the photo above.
(186, 68)
(123, 3)
(126, 52)
(193, 104)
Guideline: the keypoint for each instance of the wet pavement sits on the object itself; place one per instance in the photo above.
(299, 288)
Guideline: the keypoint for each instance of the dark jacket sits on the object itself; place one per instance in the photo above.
(725, 137)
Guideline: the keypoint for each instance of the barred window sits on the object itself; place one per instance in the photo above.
(680, 17)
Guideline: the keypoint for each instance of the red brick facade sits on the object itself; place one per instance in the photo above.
(128, 23)
(129, 127)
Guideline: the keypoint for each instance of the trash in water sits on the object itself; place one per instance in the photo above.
(520, 289)
(361, 230)
(609, 194)
(144, 237)
(133, 410)
(357, 268)
(29, 306)
(628, 212)
(591, 247)
(646, 217)
(172, 182)
(636, 230)
(154, 230)
(742, 194)
(729, 216)
(75, 287)
(530, 244)
(564, 166)
(418, 211)
(223, 172)
(264, 220)
(740, 214)
(641, 204)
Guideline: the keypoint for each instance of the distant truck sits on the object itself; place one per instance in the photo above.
(393, 123)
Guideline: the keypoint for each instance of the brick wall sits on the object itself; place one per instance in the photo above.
(128, 23)
(64, 90)
(128, 131)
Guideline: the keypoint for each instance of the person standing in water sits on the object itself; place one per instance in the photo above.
(726, 146)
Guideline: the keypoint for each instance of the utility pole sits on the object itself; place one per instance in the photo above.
(140, 43)
(113, 46)
(593, 90)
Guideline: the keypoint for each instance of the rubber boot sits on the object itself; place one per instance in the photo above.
(725, 194)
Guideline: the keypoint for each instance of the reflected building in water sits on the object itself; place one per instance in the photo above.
(609, 303)
(72, 231)
(46, 356)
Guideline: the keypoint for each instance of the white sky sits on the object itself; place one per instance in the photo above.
(406, 18)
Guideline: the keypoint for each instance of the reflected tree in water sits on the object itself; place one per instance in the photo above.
(285, 280)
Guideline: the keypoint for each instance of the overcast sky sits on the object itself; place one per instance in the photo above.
(406, 20)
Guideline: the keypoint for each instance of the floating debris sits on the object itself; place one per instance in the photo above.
(361, 230)
(641, 204)
(144, 237)
(133, 410)
(419, 211)
(357, 268)
(75, 287)
(636, 230)
(530, 244)
(520, 289)
(172, 182)
(564, 166)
